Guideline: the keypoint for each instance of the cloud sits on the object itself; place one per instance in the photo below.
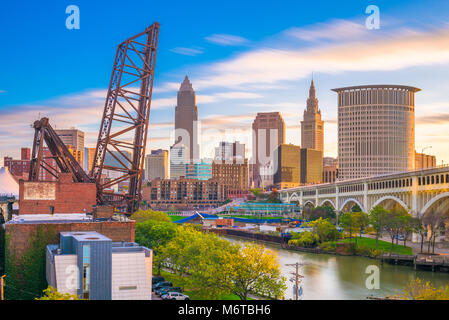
(393, 50)
(437, 118)
(226, 39)
(2, 91)
(187, 51)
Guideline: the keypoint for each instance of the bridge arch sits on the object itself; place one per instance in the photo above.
(351, 200)
(309, 202)
(329, 201)
(432, 201)
(293, 197)
(395, 199)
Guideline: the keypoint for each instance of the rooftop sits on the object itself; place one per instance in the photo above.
(378, 86)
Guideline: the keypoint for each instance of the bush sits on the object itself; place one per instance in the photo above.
(144, 215)
(328, 246)
(306, 239)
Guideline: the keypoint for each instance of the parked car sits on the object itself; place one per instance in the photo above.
(156, 280)
(165, 290)
(175, 296)
(162, 284)
(399, 237)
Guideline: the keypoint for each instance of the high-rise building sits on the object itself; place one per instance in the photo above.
(89, 157)
(156, 165)
(311, 166)
(312, 127)
(228, 151)
(199, 170)
(179, 157)
(424, 161)
(268, 134)
(232, 174)
(186, 120)
(376, 130)
(288, 165)
(330, 170)
(74, 138)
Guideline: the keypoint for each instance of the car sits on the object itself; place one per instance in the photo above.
(162, 284)
(156, 280)
(175, 296)
(399, 237)
(165, 290)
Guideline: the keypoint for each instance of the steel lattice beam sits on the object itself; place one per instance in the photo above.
(124, 126)
(65, 162)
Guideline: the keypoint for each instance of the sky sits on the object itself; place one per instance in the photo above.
(242, 57)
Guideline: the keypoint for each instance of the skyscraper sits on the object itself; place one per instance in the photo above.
(268, 134)
(186, 120)
(229, 151)
(156, 165)
(178, 160)
(288, 173)
(376, 130)
(312, 126)
(74, 138)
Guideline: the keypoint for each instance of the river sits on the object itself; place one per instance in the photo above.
(332, 277)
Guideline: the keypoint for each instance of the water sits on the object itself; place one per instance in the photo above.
(331, 277)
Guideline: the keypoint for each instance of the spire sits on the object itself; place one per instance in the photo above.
(312, 90)
(186, 85)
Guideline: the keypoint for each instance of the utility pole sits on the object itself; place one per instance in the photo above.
(2, 295)
(297, 277)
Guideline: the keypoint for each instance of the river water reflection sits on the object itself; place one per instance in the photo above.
(331, 277)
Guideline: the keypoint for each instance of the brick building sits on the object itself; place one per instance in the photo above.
(19, 168)
(62, 196)
(184, 193)
(232, 174)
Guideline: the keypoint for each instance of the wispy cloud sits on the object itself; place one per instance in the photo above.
(2, 91)
(226, 39)
(187, 51)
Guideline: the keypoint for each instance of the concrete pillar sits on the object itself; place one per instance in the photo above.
(316, 198)
(337, 199)
(365, 197)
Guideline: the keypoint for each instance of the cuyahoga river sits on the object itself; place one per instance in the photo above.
(331, 277)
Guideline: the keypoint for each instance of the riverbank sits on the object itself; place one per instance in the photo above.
(435, 264)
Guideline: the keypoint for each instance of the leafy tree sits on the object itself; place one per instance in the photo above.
(419, 228)
(394, 223)
(361, 220)
(325, 230)
(348, 224)
(420, 290)
(356, 208)
(254, 269)
(305, 239)
(52, 294)
(325, 212)
(434, 220)
(377, 219)
(144, 215)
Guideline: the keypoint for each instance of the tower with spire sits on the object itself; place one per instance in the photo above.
(312, 127)
(186, 120)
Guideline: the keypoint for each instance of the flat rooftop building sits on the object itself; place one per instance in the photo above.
(91, 266)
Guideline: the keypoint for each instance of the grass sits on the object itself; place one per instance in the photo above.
(193, 295)
(253, 216)
(176, 218)
(382, 245)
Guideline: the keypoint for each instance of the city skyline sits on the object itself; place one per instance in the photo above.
(231, 89)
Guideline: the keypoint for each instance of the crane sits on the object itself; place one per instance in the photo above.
(123, 129)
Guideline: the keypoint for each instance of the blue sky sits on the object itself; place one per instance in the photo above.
(242, 57)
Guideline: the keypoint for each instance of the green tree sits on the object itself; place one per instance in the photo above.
(325, 230)
(254, 269)
(52, 294)
(377, 219)
(325, 212)
(356, 208)
(348, 224)
(361, 221)
(393, 224)
(144, 215)
(419, 290)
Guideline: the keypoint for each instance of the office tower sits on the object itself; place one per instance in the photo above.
(312, 127)
(376, 130)
(330, 170)
(311, 166)
(233, 174)
(288, 173)
(25, 154)
(156, 165)
(179, 157)
(186, 120)
(228, 151)
(199, 170)
(424, 161)
(74, 138)
(268, 134)
(89, 158)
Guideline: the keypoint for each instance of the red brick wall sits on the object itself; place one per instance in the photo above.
(69, 197)
(19, 234)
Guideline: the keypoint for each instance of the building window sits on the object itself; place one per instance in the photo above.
(86, 271)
